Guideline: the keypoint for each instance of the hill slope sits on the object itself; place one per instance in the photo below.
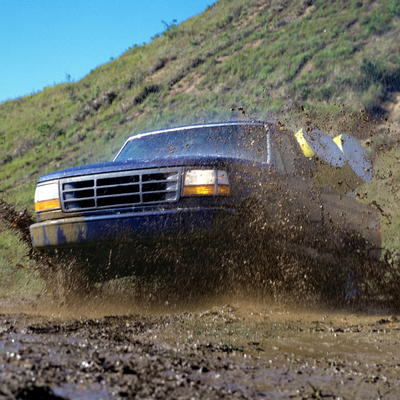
(264, 56)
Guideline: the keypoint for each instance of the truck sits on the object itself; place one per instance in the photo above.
(229, 192)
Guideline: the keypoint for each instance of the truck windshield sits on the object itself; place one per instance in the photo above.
(234, 141)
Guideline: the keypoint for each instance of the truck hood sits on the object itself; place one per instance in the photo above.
(115, 166)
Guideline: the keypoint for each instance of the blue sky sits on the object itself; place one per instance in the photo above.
(43, 41)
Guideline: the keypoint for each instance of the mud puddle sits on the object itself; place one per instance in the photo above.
(240, 350)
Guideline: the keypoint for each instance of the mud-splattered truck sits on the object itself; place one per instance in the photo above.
(187, 192)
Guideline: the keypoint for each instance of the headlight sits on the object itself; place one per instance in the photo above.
(47, 196)
(205, 182)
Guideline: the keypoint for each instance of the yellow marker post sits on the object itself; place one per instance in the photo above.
(338, 141)
(305, 148)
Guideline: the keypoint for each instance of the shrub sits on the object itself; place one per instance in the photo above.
(50, 130)
(301, 89)
(379, 73)
(6, 159)
(325, 92)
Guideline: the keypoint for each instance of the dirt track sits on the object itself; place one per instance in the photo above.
(242, 351)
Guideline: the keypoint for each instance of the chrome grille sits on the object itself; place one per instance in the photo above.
(120, 189)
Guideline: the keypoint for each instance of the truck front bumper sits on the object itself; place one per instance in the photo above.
(131, 227)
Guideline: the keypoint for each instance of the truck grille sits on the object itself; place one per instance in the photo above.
(120, 189)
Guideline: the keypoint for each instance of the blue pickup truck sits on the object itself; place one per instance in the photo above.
(197, 187)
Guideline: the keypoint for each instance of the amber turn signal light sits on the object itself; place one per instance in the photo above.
(47, 205)
(205, 182)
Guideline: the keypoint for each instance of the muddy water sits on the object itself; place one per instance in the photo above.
(243, 350)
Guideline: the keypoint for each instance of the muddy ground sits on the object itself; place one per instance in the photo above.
(106, 349)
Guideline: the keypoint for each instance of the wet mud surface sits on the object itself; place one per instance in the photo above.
(226, 351)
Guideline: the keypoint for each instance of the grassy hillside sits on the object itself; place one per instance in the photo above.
(265, 56)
